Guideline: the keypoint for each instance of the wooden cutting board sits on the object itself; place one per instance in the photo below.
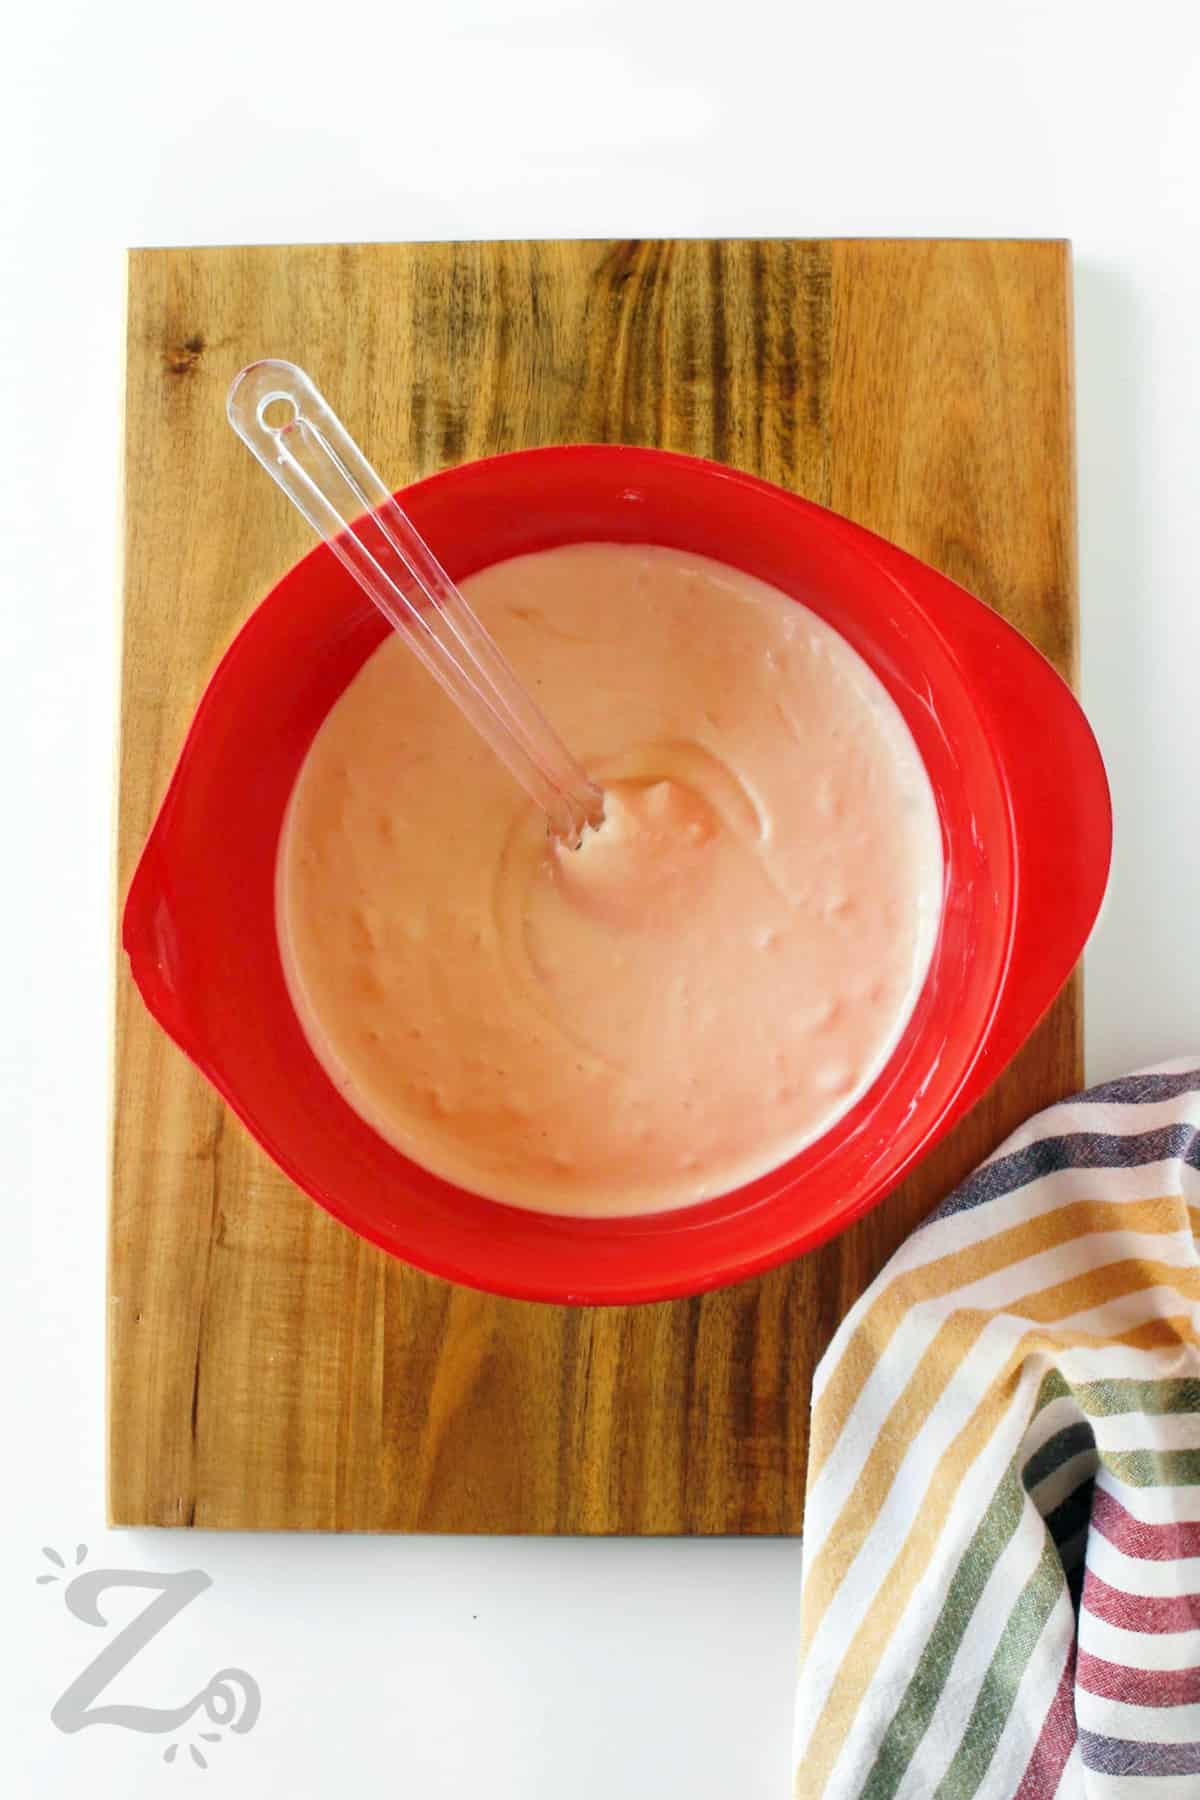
(266, 1369)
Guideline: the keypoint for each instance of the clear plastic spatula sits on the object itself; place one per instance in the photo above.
(301, 443)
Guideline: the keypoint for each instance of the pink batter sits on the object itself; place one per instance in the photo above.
(700, 989)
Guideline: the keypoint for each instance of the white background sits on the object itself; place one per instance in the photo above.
(518, 1669)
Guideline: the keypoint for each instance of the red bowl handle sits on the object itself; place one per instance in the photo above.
(1060, 808)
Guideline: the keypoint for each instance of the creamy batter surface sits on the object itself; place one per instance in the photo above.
(698, 991)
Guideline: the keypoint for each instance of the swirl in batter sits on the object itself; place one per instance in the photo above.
(702, 988)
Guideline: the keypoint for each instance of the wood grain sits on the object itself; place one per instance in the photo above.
(265, 1368)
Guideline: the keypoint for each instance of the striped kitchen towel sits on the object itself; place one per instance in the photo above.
(1002, 1531)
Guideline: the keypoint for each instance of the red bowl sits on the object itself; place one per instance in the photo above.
(1026, 831)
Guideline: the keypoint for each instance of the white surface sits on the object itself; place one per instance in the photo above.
(522, 1670)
